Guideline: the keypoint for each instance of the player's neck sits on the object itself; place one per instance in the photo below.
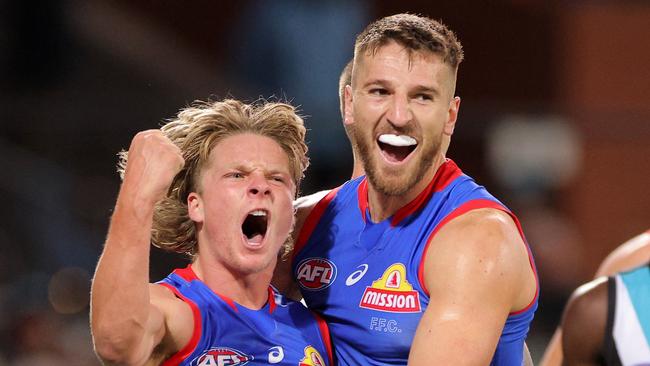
(383, 206)
(357, 169)
(250, 290)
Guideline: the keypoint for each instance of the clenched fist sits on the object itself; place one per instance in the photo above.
(153, 162)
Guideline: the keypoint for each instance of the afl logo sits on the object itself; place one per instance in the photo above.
(315, 273)
(222, 356)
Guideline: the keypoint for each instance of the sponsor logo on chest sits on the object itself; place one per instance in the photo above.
(392, 292)
(312, 358)
(315, 273)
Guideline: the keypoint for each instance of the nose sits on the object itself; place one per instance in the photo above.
(400, 113)
(259, 186)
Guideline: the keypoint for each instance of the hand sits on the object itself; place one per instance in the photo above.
(153, 162)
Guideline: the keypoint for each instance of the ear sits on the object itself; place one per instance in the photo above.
(349, 109)
(195, 207)
(452, 115)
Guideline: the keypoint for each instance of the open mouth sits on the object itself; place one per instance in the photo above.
(396, 148)
(255, 225)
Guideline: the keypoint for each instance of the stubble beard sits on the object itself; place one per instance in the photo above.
(404, 180)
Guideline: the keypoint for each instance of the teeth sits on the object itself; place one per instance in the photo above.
(258, 213)
(397, 140)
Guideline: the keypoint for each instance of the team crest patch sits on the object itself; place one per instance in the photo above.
(221, 356)
(315, 273)
(312, 358)
(392, 293)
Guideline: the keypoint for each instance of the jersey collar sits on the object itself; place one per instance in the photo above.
(445, 174)
(189, 275)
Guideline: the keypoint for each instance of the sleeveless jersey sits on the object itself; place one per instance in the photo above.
(366, 279)
(283, 332)
(627, 339)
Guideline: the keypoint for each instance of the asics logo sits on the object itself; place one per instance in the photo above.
(355, 276)
(276, 354)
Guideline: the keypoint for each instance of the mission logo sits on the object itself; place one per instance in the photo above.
(392, 293)
(315, 273)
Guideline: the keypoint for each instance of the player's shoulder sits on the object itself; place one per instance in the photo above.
(308, 202)
(630, 254)
(178, 314)
(488, 238)
(167, 300)
(304, 205)
(589, 293)
(588, 301)
(584, 321)
(487, 227)
(486, 235)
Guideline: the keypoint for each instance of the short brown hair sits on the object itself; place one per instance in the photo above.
(415, 33)
(196, 131)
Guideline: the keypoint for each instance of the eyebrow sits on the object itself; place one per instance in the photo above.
(247, 169)
(376, 81)
(282, 172)
(427, 89)
(418, 89)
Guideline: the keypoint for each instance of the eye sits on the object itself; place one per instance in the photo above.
(422, 97)
(278, 179)
(378, 91)
(235, 175)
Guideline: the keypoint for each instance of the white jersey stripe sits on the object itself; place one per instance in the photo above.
(630, 339)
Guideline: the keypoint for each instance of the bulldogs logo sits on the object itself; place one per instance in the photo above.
(312, 358)
(315, 273)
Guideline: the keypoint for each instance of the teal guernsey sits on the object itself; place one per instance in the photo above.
(627, 339)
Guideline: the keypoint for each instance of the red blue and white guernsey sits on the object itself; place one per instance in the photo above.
(283, 332)
(366, 279)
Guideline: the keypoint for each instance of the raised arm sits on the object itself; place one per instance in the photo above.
(477, 271)
(128, 318)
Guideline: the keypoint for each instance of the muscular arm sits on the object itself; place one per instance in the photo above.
(127, 317)
(477, 272)
(583, 324)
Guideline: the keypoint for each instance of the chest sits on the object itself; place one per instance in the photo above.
(363, 279)
(239, 336)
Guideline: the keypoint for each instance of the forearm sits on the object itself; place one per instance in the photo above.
(553, 354)
(120, 304)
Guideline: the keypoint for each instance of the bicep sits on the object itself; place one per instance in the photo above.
(170, 325)
(473, 282)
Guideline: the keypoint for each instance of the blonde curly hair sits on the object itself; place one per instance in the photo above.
(196, 131)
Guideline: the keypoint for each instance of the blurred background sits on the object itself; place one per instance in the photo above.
(554, 121)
